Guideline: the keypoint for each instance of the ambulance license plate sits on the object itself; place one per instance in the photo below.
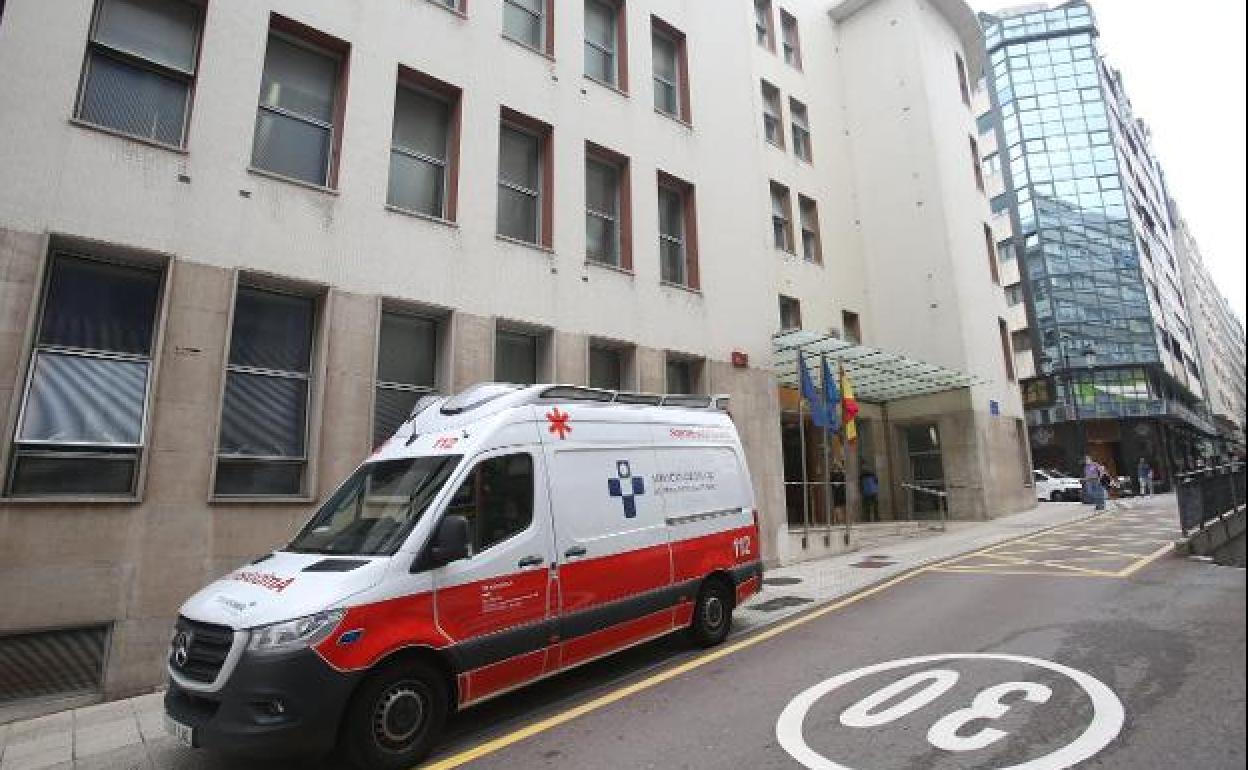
(184, 733)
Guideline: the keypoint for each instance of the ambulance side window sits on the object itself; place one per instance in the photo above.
(497, 499)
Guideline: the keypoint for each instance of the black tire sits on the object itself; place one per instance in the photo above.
(395, 717)
(1055, 496)
(712, 613)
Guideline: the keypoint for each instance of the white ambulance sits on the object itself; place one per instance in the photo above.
(503, 535)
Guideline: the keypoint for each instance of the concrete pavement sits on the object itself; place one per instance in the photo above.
(128, 734)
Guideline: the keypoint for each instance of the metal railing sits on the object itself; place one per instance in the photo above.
(942, 497)
(1209, 495)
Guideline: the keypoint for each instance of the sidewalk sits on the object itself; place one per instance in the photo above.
(128, 733)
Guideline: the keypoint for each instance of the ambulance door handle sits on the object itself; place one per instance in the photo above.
(530, 561)
(574, 551)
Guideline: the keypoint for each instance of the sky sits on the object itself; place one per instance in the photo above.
(1183, 67)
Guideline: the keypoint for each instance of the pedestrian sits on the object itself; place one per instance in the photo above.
(1091, 478)
(1144, 472)
(870, 495)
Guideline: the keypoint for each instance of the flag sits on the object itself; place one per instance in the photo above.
(849, 407)
(818, 410)
(831, 397)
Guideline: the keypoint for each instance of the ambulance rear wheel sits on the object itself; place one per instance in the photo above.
(712, 613)
(395, 717)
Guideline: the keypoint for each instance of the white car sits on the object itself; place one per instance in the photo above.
(1055, 487)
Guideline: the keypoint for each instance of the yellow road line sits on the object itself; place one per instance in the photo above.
(1003, 571)
(1142, 563)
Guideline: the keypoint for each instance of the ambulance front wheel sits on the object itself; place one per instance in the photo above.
(712, 614)
(395, 717)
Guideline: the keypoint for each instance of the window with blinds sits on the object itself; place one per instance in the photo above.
(140, 68)
(262, 445)
(81, 426)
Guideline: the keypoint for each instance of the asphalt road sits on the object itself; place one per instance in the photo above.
(1149, 653)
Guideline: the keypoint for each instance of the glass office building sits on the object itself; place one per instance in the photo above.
(1114, 354)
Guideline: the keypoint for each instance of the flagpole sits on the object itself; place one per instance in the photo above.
(853, 498)
(801, 432)
(827, 458)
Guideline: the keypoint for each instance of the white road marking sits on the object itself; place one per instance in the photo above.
(1107, 711)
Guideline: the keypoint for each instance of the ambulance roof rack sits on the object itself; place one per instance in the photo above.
(600, 395)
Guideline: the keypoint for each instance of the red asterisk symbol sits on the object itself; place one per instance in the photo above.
(559, 422)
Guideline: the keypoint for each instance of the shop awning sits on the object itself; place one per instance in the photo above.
(878, 376)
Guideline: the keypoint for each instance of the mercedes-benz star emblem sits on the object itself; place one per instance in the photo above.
(181, 648)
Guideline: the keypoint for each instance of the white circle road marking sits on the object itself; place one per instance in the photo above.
(1107, 712)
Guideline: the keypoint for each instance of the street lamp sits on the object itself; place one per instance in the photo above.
(1089, 357)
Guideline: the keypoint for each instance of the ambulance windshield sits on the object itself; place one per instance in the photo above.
(373, 512)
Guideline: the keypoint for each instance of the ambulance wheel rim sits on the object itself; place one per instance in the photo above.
(713, 612)
(400, 715)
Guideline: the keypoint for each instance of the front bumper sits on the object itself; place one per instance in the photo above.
(241, 717)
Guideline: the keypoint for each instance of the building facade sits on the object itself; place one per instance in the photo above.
(239, 240)
(1220, 341)
(1095, 277)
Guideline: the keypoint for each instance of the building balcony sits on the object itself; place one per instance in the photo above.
(1154, 407)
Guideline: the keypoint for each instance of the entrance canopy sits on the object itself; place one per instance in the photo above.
(878, 376)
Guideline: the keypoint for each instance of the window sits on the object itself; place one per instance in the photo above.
(812, 244)
(1021, 340)
(963, 85)
(497, 499)
(262, 445)
(985, 123)
(81, 426)
(990, 244)
(763, 31)
(791, 42)
(979, 171)
(1004, 330)
(801, 130)
(406, 369)
(372, 513)
(424, 147)
(773, 119)
(607, 208)
(851, 327)
(524, 206)
(781, 218)
(298, 118)
(515, 357)
(790, 314)
(606, 43)
(671, 70)
(1014, 295)
(529, 23)
(999, 203)
(992, 164)
(678, 257)
(682, 375)
(140, 68)
(606, 367)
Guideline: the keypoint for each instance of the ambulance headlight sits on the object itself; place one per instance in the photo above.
(295, 634)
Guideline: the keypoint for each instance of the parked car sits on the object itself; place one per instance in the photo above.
(1054, 486)
(502, 536)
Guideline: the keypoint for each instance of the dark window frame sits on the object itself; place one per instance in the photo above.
(301, 35)
(596, 153)
(134, 452)
(189, 79)
(689, 228)
(452, 96)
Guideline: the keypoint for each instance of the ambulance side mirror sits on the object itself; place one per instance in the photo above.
(451, 542)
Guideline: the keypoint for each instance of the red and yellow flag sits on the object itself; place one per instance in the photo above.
(849, 407)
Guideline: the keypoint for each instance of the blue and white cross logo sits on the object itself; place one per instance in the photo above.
(626, 486)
